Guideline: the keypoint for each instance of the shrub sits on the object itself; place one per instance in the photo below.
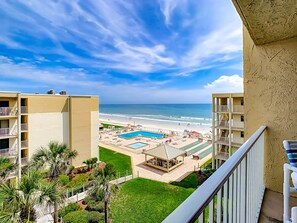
(63, 179)
(208, 172)
(95, 159)
(78, 181)
(95, 206)
(77, 217)
(71, 207)
(70, 169)
(95, 217)
(86, 200)
(75, 171)
(83, 217)
(44, 172)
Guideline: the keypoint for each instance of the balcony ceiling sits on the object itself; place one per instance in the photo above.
(268, 20)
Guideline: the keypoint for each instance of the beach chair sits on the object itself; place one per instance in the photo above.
(291, 150)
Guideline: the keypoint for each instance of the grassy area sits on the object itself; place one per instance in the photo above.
(207, 164)
(190, 181)
(120, 161)
(105, 125)
(142, 200)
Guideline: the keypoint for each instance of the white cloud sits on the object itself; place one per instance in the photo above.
(152, 93)
(218, 45)
(227, 84)
(167, 7)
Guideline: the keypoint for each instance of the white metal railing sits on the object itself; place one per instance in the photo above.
(8, 111)
(237, 140)
(12, 174)
(24, 144)
(222, 108)
(24, 109)
(24, 127)
(222, 124)
(24, 161)
(8, 152)
(239, 125)
(7, 132)
(234, 193)
(238, 108)
(222, 139)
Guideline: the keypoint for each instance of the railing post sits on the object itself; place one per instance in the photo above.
(286, 193)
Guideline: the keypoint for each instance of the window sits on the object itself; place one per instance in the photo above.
(4, 144)
(242, 118)
(242, 102)
(241, 134)
(4, 103)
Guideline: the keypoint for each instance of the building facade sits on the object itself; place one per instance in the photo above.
(31, 121)
(227, 125)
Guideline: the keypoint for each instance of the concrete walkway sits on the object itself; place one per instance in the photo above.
(151, 173)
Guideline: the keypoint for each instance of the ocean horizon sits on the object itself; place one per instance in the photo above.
(191, 113)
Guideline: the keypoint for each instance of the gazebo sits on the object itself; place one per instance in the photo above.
(165, 157)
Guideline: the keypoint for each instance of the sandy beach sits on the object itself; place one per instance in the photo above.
(155, 123)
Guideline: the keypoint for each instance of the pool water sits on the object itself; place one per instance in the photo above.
(131, 135)
(137, 145)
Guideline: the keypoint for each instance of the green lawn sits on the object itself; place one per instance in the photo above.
(105, 125)
(207, 164)
(142, 200)
(120, 161)
(190, 181)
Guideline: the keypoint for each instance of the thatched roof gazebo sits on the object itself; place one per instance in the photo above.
(165, 157)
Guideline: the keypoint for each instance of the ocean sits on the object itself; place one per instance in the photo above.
(183, 113)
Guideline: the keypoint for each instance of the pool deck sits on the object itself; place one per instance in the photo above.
(111, 141)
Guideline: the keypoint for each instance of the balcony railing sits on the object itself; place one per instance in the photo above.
(24, 144)
(238, 108)
(8, 152)
(237, 141)
(12, 174)
(222, 108)
(222, 139)
(24, 109)
(234, 193)
(223, 124)
(24, 127)
(7, 132)
(24, 161)
(239, 125)
(8, 111)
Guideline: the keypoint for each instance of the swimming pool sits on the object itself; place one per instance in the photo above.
(131, 135)
(137, 145)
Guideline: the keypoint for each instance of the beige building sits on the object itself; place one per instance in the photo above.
(29, 121)
(227, 125)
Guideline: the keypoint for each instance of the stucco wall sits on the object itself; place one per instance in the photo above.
(94, 134)
(46, 127)
(80, 128)
(270, 91)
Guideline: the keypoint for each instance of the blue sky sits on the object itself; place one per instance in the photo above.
(125, 51)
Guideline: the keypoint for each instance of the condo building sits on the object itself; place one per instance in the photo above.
(30, 121)
(227, 125)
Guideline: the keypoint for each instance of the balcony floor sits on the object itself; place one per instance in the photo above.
(272, 207)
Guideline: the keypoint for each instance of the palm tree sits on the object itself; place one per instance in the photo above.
(102, 185)
(19, 202)
(57, 159)
(6, 167)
